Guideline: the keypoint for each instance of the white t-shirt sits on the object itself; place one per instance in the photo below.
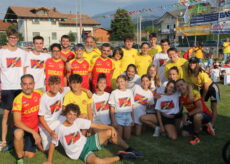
(101, 108)
(160, 60)
(161, 90)
(11, 64)
(132, 82)
(71, 137)
(142, 97)
(168, 105)
(35, 66)
(122, 101)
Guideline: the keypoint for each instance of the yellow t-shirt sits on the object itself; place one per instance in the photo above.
(142, 63)
(92, 55)
(199, 80)
(128, 58)
(82, 101)
(199, 53)
(227, 47)
(154, 51)
(180, 64)
(116, 72)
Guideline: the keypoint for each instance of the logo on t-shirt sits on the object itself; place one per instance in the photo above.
(13, 62)
(72, 138)
(163, 62)
(154, 91)
(37, 64)
(55, 107)
(167, 105)
(124, 102)
(140, 99)
(102, 106)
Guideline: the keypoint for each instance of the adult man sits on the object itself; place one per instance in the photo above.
(91, 51)
(66, 53)
(161, 59)
(25, 115)
(154, 49)
(226, 49)
(175, 60)
(35, 62)
(12, 60)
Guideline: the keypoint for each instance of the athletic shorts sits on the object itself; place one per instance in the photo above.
(92, 144)
(29, 142)
(123, 118)
(8, 98)
(213, 93)
(167, 120)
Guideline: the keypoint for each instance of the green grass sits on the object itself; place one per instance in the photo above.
(161, 150)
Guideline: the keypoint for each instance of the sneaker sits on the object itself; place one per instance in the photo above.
(156, 132)
(126, 155)
(194, 141)
(210, 130)
(2, 145)
(8, 147)
(21, 161)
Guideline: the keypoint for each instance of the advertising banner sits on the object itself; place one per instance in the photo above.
(193, 30)
(221, 28)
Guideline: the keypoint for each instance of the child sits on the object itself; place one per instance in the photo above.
(121, 101)
(132, 76)
(105, 65)
(143, 97)
(144, 60)
(50, 110)
(77, 146)
(100, 102)
(117, 56)
(80, 66)
(167, 107)
(55, 66)
(210, 60)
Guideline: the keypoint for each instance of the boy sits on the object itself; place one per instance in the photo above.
(50, 111)
(78, 146)
(129, 53)
(55, 66)
(104, 65)
(154, 49)
(66, 53)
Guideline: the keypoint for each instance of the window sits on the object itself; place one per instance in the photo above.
(36, 34)
(167, 26)
(54, 36)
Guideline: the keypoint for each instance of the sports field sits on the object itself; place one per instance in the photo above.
(161, 150)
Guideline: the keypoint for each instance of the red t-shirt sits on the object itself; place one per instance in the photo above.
(54, 68)
(191, 105)
(81, 68)
(105, 66)
(28, 106)
(68, 54)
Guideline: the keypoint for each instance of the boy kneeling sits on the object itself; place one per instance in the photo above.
(78, 146)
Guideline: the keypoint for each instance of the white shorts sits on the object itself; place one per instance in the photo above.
(138, 112)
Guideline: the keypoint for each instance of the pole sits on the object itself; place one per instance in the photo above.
(137, 30)
(76, 23)
(195, 40)
(80, 21)
(140, 30)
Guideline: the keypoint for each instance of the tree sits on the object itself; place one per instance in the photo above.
(121, 25)
(72, 37)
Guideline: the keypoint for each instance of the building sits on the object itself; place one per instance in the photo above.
(101, 34)
(4, 26)
(49, 23)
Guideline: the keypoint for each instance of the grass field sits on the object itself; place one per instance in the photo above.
(161, 150)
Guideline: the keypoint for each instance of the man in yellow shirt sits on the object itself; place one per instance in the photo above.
(91, 51)
(226, 49)
(199, 52)
(175, 60)
(154, 49)
(129, 53)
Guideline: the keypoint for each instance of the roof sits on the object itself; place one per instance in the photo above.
(4, 25)
(175, 14)
(73, 18)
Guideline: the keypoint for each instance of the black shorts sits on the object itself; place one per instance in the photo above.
(29, 142)
(167, 120)
(8, 98)
(213, 93)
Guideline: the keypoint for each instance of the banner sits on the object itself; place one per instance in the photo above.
(199, 8)
(193, 30)
(204, 19)
(224, 16)
(221, 28)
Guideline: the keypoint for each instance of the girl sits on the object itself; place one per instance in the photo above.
(100, 102)
(117, 56)
(143, 97)
(132, 76)
(121, 101)
(143, 60)
(167, 107)
(198, 112)
(204, 84)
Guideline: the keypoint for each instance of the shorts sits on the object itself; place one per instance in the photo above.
(206, 119)
(8, 98)
(92, 144)
(167, 120)
(213, 93)
(29, 142)
(124, 118)
(138, 112)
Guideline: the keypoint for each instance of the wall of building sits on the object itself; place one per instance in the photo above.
(101, 35)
